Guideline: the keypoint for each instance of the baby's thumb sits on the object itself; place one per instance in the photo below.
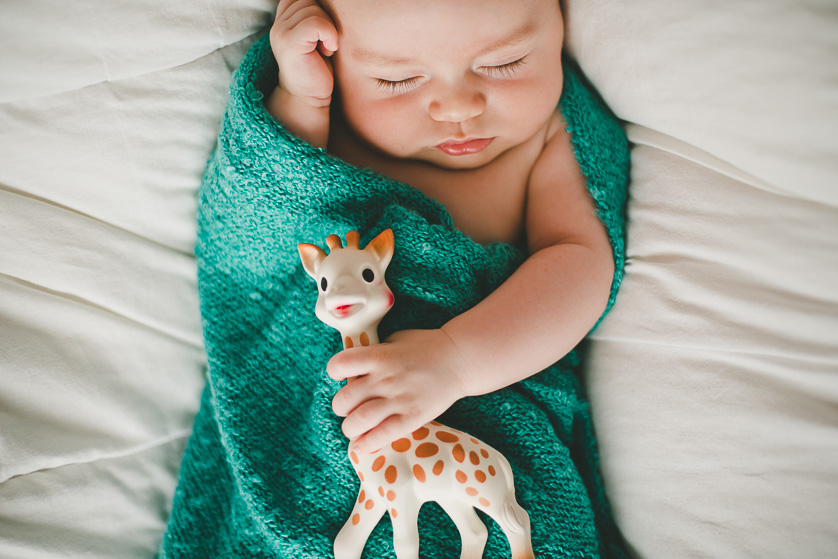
(328, 43)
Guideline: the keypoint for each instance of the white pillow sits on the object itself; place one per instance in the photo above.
(108, 114)
(714, 379)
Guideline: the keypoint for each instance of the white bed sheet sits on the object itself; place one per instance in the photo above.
(714, 379)
(108, 114)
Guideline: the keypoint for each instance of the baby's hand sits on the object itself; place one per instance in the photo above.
(301, 36)
(396, 387)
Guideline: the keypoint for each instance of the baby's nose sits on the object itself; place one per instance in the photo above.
(457, 103)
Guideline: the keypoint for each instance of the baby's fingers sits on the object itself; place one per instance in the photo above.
(352, 395)
(313, 32)
(365, 418)
(350, 363)
(387, 432)
(305, 27)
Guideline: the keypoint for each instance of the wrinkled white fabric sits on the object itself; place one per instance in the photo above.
(108, 114)
(714, 379)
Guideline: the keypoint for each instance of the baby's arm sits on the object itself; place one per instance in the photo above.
(302, 37)
(553, 300)
(539, 314)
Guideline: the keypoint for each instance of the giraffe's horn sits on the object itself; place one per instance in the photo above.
(334, 242)
(352, 239)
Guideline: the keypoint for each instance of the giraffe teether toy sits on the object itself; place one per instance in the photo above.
(435, 463)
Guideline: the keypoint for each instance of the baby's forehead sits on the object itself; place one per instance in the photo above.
(395, 22)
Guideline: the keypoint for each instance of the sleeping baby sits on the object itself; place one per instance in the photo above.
(459, 100)
(455, 124)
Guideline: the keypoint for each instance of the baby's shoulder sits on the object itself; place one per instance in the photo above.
(557, 149)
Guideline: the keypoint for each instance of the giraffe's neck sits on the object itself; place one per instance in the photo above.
(357, 339)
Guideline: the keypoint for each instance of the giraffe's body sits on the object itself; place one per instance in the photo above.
(435, 463)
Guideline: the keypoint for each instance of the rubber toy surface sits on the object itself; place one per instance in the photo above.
(435, 463)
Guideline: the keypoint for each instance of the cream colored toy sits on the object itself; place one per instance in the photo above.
(435, 463)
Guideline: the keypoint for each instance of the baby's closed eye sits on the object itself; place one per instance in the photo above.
(506, 70)
(398, 86)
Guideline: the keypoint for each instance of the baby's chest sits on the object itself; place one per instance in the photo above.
(489, 206)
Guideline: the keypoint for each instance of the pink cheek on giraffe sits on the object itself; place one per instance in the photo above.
(390, 299)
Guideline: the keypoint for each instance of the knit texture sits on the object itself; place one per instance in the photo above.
(265, 472)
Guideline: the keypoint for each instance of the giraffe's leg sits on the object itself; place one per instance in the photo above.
(406, 529)
(515, 523)
(473, 532)
(350, 541)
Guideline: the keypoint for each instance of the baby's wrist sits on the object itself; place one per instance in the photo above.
(307, 118)
(462, 366)
(303, 100)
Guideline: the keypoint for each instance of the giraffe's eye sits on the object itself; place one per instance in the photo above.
(323, 284)
(368, 275)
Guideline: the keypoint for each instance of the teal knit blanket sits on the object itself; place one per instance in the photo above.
(265, 472)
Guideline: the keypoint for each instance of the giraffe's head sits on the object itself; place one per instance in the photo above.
(353, 296)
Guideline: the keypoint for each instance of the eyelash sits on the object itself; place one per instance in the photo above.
(502, 71)
(505, 70)
(400, 86)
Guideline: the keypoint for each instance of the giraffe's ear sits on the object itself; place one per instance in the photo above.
(382, 247)
(312, 256)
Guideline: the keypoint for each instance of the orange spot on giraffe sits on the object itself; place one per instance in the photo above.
(369, 504)
(475, 459)
(471, 491)
(459, 452)
(356, 518)
(348, 343)
(480, 476)
(391, 474)
(484, 502)
(421, 433)
(419, 473)
(394, 513)
(438, 467)
(475, 441)
(381, 491)
(354, 457)
(491, 470)
(447, 437)
(426, 449)
(437, 423)
(378, 464)
(391, 495)
(461, 476)
(365, 340)
(401, 445)
(362, 496)
(484, 452)
(361, 476)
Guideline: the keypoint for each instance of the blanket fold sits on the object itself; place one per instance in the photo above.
(265, 472)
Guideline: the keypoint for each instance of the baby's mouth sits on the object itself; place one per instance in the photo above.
(469, 146)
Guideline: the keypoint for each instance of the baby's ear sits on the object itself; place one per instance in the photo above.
(312, 256)
(382, 247)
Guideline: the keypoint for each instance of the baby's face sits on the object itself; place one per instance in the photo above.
(451, 82)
